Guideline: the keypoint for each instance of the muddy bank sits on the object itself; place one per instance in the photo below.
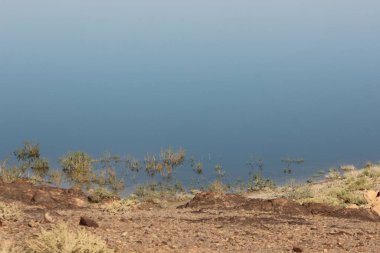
(208, 200)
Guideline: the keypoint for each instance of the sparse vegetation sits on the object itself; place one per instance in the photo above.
(77, 167)
(345, 186)
(10, 211)
(9, 175)
(29, 158)
(121, 206)
(62, 239)
(7, 246)
(103, 180)
(290, 162)
(101, 194)
(217, 186)
(334, 174)
(256, 179)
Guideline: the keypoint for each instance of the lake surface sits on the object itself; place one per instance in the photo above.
(222, 79)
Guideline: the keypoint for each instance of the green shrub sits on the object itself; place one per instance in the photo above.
(258, 182)
(359, 184)
(372, 172)
(29, 157)
(77, 167)
(101, 194)
(301, 193)
(168, 161)
(351, 198)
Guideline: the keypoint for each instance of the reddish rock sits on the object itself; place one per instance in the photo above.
(88, 222)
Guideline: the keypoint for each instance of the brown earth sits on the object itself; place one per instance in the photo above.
(209, 222)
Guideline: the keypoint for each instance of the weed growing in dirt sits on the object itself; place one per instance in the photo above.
(62, 239)
(217, 186)
(9, 175)
(121, 206)
(7, 246)
(101, 194)
(301, 193)
(358, 184)
(10, 212)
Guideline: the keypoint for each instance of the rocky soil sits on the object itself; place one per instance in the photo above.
(208, 223)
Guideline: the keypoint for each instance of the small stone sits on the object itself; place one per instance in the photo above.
(79, 202)
(88, 222)
(48, 218)
(297, 249)
(33, 223)
(124, 234)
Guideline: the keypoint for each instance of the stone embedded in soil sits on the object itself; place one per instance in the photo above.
(48, 218)
(77, 202)
(41, 197)
(88, 222)
(297, 249)
(33, 224)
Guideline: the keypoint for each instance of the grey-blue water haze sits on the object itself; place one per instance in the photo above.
(223, 79)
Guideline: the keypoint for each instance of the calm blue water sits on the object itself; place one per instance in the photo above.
(223, 79)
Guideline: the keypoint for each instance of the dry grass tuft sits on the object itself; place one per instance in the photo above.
(62, 239)
(217, 186)
(7, 246)
(344, 187)
(10, 212)
(121, 206)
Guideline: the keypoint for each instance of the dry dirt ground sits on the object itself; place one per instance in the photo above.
(208, 223)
